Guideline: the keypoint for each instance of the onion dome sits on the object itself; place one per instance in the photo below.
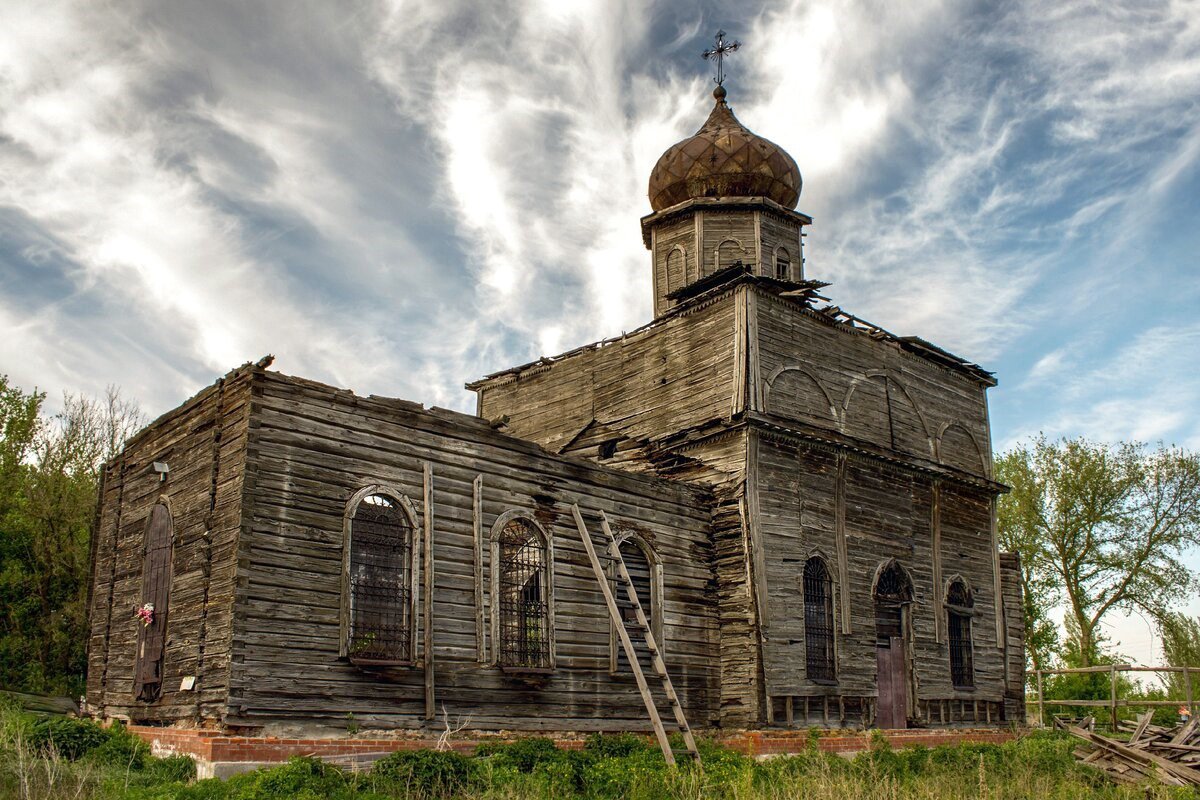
(724, 159)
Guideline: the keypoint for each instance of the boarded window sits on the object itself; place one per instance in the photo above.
(818, 622)
(522, 602)
(158, 545)
(641, 573)
(959, 604)
(381, 610)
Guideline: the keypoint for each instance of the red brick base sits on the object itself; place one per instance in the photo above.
(217, 747)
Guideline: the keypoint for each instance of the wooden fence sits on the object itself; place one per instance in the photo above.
(1114, 702)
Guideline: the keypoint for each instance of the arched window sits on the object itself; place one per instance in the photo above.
(959, 607)
(819, 658)
(728, 253)
(380, 591)
(522, 595)
(676, 276)
(783, 264)
(157, 550)
(643, 567)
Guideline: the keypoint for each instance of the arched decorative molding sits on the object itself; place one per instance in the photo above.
(718, 264)
(676, 256)
(979, 460)
(829, 406)
(498, 528)
(886, 566)
(892, 386)
(392, 492)
(626, 535)
(956, 578)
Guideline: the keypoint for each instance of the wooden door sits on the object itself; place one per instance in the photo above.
(892, 684)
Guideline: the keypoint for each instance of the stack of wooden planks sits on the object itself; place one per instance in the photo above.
(1168, 755)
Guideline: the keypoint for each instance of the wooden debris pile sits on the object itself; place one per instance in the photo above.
(1167, 755)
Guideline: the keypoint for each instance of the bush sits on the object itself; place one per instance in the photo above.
(121, 749)
(522, 755)
(617, 745)
(70, 738)
(424, 773)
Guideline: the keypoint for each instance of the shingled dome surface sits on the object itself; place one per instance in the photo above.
(724, 159)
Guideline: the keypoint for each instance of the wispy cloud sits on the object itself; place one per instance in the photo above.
(400, 196)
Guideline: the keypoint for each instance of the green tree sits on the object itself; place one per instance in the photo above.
(1100, 528)
(1181, 648)
(50, 467)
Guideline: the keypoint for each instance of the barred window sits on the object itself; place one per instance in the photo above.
(522, 596)
(381, 611)
(818, 621)
(959, 603)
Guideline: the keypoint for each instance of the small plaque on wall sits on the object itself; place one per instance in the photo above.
(188, 683)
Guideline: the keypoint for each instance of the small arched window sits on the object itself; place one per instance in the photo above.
(959, 607)
(819, 660)
(157, 551)
(381, 580)
(783, 264)
(675, 276)
(522, 595)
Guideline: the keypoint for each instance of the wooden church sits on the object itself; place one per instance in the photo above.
(803, 503)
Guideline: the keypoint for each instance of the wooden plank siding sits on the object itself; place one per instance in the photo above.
(311, 446)
(203, 443)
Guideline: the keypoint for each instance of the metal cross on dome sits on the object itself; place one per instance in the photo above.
(718, 54)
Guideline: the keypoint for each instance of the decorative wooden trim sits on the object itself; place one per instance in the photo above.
(477, 534)
(758, 558)
(699, 220)
(758, 245)
(935, 529)
(997, 589)
(839, 535)
(388, 490)
(769, 383)
(754, 367)
(740, 378)
(427, 635)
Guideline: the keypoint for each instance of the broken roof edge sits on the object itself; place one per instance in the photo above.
(802, 293)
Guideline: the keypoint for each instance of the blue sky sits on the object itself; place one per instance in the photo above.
(399, 197)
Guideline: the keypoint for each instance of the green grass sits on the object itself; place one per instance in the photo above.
(63, 758)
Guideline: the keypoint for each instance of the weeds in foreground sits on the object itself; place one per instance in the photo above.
(60, 758)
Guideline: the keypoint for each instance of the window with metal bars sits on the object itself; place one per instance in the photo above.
(819, 659)
(522, 597)
(640, 565)
(380, 571)
(959, 604)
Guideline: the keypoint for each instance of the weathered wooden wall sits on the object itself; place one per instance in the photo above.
(814, 371)
(649, 384)
(313, 446)
(203, 443)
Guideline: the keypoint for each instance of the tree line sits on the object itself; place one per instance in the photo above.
(49, 470)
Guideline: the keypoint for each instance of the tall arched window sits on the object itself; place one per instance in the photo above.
(522, 594)
(676, 271)
(380, 590)
(959, 607)
(157, 550)
(819, 658)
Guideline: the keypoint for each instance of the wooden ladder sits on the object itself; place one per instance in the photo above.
(643, 625)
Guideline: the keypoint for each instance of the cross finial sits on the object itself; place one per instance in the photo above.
(718, 53)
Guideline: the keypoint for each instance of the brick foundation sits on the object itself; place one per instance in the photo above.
(220, 754)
